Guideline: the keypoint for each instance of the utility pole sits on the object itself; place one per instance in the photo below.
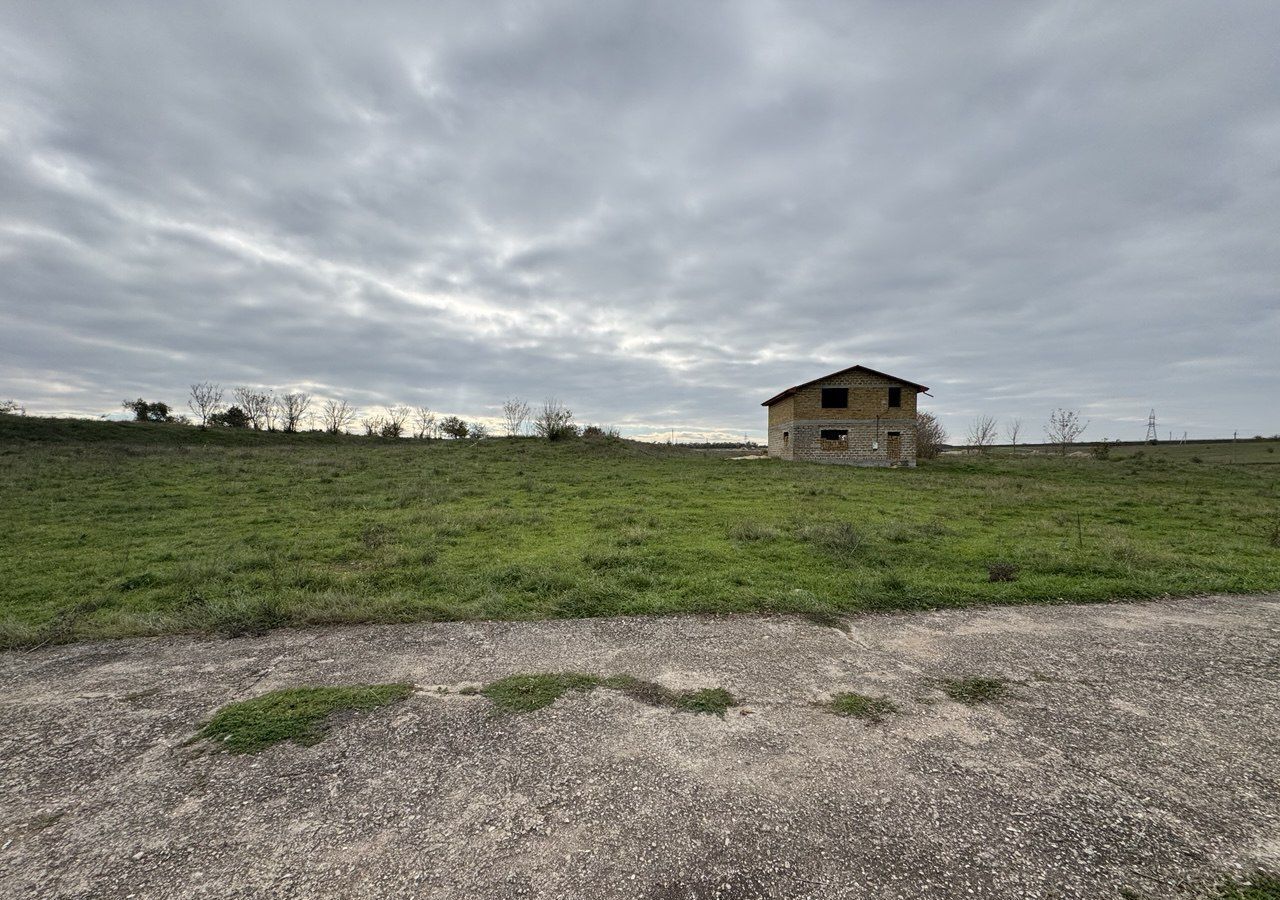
(1151, 428)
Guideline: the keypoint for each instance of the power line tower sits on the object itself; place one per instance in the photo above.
(1151, 428)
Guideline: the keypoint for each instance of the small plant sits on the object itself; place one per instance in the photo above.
(1102, 450)
(860, 706)
(708, 701)
(294, 714)
(836, 538)
(1274, 537)
(974, 689)
(753, 531)
(1003, 571)
(1196, 459)
(525, 693)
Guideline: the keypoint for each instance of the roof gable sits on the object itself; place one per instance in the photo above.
(920, 388)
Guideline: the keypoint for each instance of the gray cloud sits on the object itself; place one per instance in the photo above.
(661, 213)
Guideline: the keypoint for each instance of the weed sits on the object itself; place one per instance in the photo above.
(525, 693)
(753, 531)
(840, 539)
(1273, 538)
(1002, 571)
(711, 701)
(293, 714)
(974, 689)
(860, 706)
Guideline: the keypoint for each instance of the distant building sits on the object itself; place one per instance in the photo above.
(857, 417)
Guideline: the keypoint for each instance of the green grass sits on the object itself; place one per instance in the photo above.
(860, 706)
(117, 529)
(974, 689)
(296, 714)
(1258, 887)
(528, 692)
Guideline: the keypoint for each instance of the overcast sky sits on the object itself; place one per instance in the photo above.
(661, 213)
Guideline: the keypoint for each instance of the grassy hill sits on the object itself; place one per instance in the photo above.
(119, 529)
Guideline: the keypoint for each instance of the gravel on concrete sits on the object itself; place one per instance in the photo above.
(1136, 749)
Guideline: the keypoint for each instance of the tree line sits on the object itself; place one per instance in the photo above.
(264, 410)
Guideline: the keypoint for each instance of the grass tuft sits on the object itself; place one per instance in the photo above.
(975, 689)
(860, 706)
(526, 693)
(293, 714)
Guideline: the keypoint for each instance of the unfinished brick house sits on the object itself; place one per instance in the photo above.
(857, 417)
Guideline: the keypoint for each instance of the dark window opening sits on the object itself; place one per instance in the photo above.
(835, 398)
(895, 396)
(786, 438)
(895, 434)
(834, 434)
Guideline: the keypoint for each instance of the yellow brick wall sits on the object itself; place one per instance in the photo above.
(868, 398)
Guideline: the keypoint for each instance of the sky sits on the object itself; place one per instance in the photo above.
(660, 213)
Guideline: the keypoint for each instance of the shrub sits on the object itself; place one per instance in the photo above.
(930, 435)
(148, 412)
(1002, 571)
(554, 421)
(1102, 450)
(1196, 459)
(452, 426)
(234, 417)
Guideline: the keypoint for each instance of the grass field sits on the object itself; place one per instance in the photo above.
(116, 529)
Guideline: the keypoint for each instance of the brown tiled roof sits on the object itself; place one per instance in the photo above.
(920, 388)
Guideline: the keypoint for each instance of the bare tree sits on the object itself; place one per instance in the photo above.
(372, 425)
(205, 400)
(982, 433)
(256, 405)
(930, 435)
(394, 422)
(1013, 430)
(1064, 427)
(424, 423)
(290, 408)
(337, 416)
(14, 408)
(515, 412)
(478, 430)
(554, 421)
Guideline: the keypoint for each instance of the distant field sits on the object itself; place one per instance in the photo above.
(1242, 452)
(116, 529)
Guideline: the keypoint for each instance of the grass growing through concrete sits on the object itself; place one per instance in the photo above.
(1258, 887)
(860, 706)
(295, 714)
(528, 692)
(975, 689)
(117, 529)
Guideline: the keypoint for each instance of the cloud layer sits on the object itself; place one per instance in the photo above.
(661, 213)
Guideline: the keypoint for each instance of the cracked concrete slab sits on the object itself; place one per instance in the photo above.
(1135, 749)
